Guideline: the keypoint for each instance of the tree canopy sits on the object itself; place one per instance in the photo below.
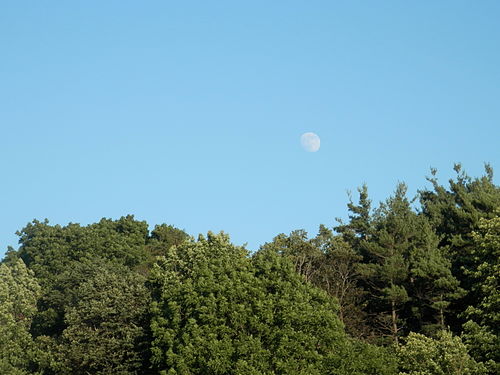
(409, 286)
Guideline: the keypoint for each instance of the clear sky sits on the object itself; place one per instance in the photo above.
(190, 112)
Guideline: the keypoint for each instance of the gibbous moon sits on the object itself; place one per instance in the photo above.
(310, 142)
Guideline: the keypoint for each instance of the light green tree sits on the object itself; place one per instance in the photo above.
(218, 311)
(445, 355)
(203, 319)
(19, 292)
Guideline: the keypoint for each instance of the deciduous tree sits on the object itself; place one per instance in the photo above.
(216, 311)
(106, 323)
(19, 292)
(446, 355)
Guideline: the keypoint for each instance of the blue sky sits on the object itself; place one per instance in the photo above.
(190, 113)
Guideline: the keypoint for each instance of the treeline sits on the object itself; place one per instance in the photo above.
(407, 287)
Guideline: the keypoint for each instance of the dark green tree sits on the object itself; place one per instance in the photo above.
(106, 323)
(432, 285)
(359, 227)
(53, 252)
(342, 355)
(162, 238)
(482, 329)
(330, 263)
(455, 213)
(46, 249)
(167, 236)
(402, 265)
(304, 253)
(361, 358)
(339, 276)
(386, 267)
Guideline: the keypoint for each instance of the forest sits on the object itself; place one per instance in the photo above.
(409, 286)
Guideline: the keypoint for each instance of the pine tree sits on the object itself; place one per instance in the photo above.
(455, 213)
(482, 329)
(386, 266)
(432, 284)
(359, 227)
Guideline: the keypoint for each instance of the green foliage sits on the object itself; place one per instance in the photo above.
(482, 330)
(53, 253)
(18, 295)
(329, 262)
(303, 253)
(111, 298)
(446, 355)
(216, 311)
(487, 273)
(162, 238)
(304, 331)
(386, 266)
(105, 321)
(360, 358)
(47, 249)
(432, 284)
(456, 213)
(167, 236)
(339, 277)
(200, 295)
(404, 270)
(360, 220)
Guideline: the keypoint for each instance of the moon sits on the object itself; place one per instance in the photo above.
(310, 142)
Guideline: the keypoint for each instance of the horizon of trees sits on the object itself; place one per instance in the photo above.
(406, 287)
